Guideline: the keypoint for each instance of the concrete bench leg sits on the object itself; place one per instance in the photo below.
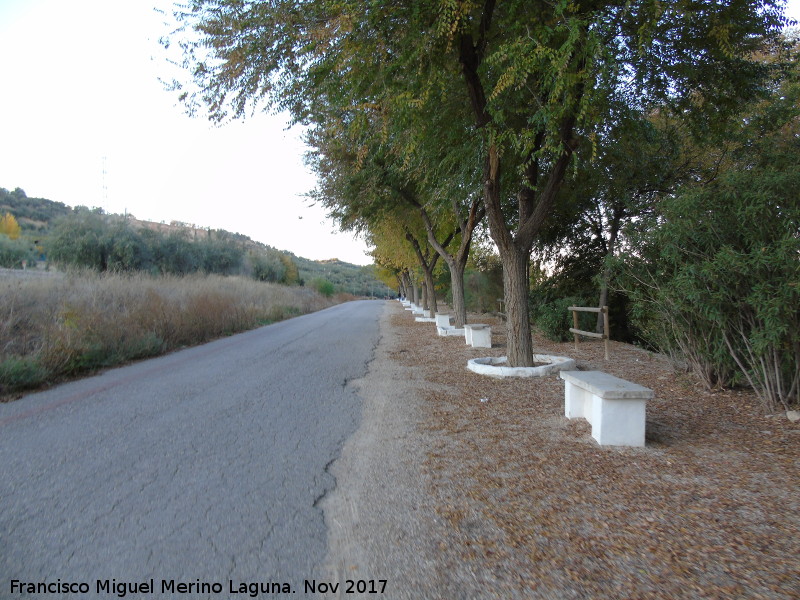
(618, 422)
(473, 329)
(482, 338)
(577, 402)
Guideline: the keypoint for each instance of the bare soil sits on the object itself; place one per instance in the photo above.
(517, 501)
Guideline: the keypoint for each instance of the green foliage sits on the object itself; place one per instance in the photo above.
(420, 99)
(21, 373)
(324, 287)
(345, 277)
(101, 242)
(483, 288)
(554, 320)
(717, 278)
(13, 252)
(79, 240)
(267, 266)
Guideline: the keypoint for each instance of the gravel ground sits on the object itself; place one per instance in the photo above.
(462, 486)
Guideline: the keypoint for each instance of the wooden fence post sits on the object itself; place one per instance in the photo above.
(575, 325)
(577, 332)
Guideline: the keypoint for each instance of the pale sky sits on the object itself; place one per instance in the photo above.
(79, 82)
(80, 95)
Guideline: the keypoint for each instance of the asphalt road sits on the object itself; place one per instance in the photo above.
(202, 468)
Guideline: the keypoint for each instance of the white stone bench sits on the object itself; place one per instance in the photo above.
(478, 335)
(614, 407)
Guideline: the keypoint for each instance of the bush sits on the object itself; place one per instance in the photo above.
(554, 320)
(267, 266)
(324, 287)
(13, 252)
(21, 373)
(483, 281)
(90, 239)
(718, 280)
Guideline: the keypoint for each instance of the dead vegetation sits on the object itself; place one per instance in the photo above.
(64, 326)
(536, 509)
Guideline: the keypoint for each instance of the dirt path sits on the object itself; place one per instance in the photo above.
(381, 518)
(462, 486)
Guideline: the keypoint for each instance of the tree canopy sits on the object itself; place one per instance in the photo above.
(536, 108)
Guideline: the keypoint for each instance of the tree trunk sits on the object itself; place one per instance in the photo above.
(610, 248)
(401, 288)
(431, 289)
(603, 300)
(456, 262)
(408, 291)
(415, 290)
(457, 288)
(515, 286)
(424, 295)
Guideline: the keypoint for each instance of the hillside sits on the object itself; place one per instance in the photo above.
(32, 214)
(39, 218)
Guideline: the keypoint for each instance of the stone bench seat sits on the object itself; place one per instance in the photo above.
(449, 331)
(615, 408)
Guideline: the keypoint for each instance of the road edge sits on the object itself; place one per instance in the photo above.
(379, 517)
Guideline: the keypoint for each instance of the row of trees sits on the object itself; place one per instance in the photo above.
(32, 229)
(91, 239)
(563, 129)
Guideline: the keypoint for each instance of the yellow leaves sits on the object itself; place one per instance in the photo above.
(550, 60)
(361, 155)
(9, 226)
(453, 14)
(721, 33)
(505, 81)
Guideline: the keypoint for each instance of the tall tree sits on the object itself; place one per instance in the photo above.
(9, 226)
(541, 78)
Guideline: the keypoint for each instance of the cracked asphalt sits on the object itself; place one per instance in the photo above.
(206, 464)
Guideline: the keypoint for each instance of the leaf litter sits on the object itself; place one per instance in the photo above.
(533, 507)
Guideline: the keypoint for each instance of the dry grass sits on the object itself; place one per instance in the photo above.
(57, 327)
(536, 509)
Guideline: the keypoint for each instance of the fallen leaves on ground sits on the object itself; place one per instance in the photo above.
(537, 509)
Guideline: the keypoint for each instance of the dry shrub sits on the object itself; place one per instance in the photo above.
(51, 328)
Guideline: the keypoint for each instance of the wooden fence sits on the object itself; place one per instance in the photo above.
(577, 332)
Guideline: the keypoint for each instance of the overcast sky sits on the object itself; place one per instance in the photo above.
(80, 91)
(85, 120)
